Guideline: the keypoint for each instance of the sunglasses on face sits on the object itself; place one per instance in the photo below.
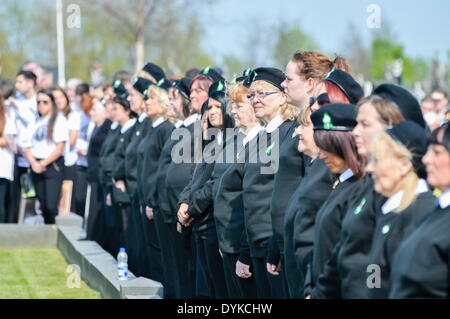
(322, 99)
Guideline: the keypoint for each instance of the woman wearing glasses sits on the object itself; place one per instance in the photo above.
(262, 162)
(44, 148)
(303, 74)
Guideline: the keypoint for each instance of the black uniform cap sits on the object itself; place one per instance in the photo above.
(164, 83)
(120, 90)
(217, 90)
(141, 85)
(405, 101)
(183, 86)
(412, 136)
(334, 117)
(272, 75)
(244, 78)
(154, 70)
(352, 90)
(212, 74)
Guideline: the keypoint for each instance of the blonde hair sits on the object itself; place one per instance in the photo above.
(382, 146)
(162, 96)
(304, 117)
(145, 75)
(287, 110)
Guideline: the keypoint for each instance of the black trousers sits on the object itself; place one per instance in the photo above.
(96, 219)
(207, 248)
(110, 241)
(129, 236)
(4, 184)
(140, 242)
(238, 287)
(48, 189)
(13, 202)
(79, 190)
(268, 285)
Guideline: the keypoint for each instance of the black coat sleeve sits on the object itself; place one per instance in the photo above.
(328, 285)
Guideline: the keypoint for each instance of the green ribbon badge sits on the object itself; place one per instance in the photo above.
(327, 124)
(234, 79)
(145, 93)
(329, 73)
(360, 206)
(116, 84)
(160, 82)
(270, 148)
(247, 72)
(219, 87)
(206, 71)
(385, 229)
(293, 134)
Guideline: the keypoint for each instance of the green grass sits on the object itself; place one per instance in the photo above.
(38, 274)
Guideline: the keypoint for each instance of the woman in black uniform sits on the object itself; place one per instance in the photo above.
(179, 173)
(198, 192)
(397, 170)
(44, 148)
(96, 219)
(127, 119)
(262, 162)
(333, 124)
(149, 152)
(170, 240)
(420, 268)
(345, 275)
(136, 256)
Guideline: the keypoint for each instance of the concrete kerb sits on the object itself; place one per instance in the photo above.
(99, 268)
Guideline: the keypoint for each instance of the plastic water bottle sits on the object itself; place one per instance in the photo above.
(122, 264)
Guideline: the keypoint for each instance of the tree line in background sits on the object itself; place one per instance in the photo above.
(124, 34)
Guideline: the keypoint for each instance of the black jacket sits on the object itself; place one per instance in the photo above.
(420, 267)
(132, 169)
(118, 173)
(106, 159)
(257, 185)
(95, 145)
(299, 222)
(286, 180)
(327, 228)
(345, 274)
(391, 231)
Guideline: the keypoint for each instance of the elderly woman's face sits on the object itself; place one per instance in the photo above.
(306, 142)
(387, 172)
(198, 97)
(136, 101)
(437, 162)
(175, 105)
(243, 113)
(266, 106)
(368, 123)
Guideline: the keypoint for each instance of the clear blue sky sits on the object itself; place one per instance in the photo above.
(422, 27)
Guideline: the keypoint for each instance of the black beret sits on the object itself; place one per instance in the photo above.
(244, 78)
(183, 86)
(352, 90)
(412, 136)
(405, 101)
(272, 75)
(120, 90)
(141, 85)
(217, 90)
(154, 70)
(212, 74)
(334, 117)
(164, 84)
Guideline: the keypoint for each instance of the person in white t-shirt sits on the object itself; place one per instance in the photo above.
(74, 123)
(7, 132)
(44, 148)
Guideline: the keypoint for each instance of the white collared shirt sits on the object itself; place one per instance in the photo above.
(444, 199)
(142, 117)
(158, 122)
(6, 155)
(127, 125)
(178, 123)
(251, 134)
(191, 119)
(114, 125)
(395, 200)
(274, 124)
(346, 175)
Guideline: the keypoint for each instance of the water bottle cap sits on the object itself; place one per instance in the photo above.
(122, 249)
